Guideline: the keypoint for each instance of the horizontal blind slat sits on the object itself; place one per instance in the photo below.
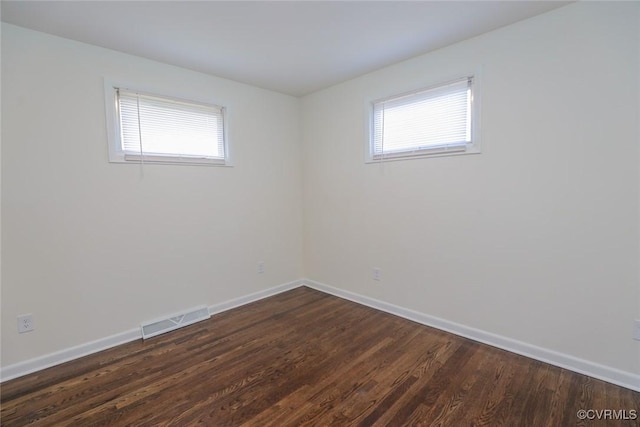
(155, 126)
(432, 118)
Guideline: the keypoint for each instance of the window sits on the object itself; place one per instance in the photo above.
(148, 128)
(441, 120)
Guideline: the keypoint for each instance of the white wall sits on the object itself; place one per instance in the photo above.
(535, 239)
(93, 248)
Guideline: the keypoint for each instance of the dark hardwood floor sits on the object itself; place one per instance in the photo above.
(307, 358)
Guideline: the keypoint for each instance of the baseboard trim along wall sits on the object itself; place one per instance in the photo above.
(605, 373)
(19, 369)
(240, 301)
(39, 363)
(612, 375)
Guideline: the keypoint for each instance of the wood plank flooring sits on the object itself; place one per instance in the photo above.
(304, 358)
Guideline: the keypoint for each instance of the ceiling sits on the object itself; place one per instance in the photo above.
(294, 47)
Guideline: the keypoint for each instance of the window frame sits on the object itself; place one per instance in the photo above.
(473, 147)
(118, 155)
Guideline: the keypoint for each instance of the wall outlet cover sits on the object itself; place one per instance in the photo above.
(25, 323)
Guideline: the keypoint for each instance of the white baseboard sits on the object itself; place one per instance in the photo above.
(237, 302)
(36, 364)
(605, 373)
(592, 369)
(39, 363)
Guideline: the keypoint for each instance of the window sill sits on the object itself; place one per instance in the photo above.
(169, 160)
(422, 154)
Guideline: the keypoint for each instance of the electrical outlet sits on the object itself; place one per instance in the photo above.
(377, 274)
(261, 267)
(25, 323)
(636, 329)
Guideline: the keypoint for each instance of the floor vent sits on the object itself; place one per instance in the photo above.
(160, 326)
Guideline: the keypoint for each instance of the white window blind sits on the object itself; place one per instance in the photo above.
(431, 121)
(156, 128)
